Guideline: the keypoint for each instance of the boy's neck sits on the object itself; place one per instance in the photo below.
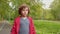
(23, 16)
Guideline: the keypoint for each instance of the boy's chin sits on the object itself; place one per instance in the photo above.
(24, 15)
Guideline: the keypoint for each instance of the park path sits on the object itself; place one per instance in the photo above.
(5, 27)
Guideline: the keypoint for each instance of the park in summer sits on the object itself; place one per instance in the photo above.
(45, 15)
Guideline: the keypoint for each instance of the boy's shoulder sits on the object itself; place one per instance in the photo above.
(18, 17)
(30, 18)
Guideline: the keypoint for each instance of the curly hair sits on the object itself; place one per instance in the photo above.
(22, 7)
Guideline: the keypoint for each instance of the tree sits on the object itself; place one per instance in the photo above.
(9, 8)
(55, 9)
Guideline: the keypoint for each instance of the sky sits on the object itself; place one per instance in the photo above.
(46, 3)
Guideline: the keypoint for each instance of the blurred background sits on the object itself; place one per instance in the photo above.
(45, 13)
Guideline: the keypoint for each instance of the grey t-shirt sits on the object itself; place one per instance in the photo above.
(24, 26)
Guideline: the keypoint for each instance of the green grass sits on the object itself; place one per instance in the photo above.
(47, 27)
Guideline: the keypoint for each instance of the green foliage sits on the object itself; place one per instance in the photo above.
(56, 9)
(47, 27)
(9, 8)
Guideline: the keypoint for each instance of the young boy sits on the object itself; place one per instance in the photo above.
(23, 24)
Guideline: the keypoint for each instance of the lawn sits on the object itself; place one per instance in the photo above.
(47, 27)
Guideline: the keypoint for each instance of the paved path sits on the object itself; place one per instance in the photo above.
(5, 28)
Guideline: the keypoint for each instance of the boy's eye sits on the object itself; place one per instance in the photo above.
(26, 10)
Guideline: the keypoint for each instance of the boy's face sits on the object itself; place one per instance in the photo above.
(24, 12)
